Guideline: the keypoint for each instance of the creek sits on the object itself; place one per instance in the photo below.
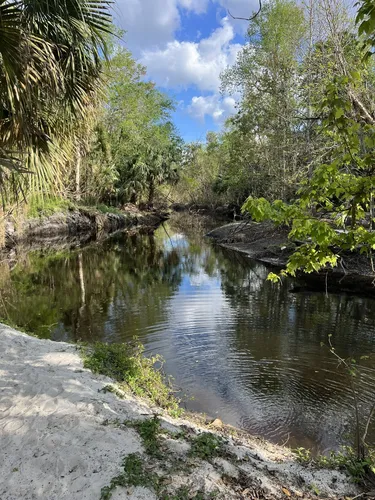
(240, 348)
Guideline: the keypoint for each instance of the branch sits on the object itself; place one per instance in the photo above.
(368, 424)
(362, 107)
(248, 18)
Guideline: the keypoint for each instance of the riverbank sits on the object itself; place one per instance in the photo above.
(64, 435)
(269, 244)
(80, 223)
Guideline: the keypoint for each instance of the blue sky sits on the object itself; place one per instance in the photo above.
(185, 45)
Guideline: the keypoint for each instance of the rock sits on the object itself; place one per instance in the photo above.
(217, 423)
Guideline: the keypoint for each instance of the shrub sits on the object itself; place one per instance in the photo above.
(126, 364)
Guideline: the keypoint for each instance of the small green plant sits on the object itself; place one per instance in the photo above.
(134, 474)
(126, 364)
(303, 456)
(104, 209)
(149, 431)
(346, 459)
(315, 489)
(207, 446)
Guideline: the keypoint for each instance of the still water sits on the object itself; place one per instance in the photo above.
(239, 347)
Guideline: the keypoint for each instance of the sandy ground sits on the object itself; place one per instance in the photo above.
(54, 445)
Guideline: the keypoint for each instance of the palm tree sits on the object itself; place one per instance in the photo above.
(51, 54)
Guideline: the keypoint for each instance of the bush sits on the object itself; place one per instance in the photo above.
(39, 207)
(126, 364)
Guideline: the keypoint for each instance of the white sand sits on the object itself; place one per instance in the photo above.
(54, 445)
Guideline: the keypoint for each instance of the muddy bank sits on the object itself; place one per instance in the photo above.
(269, 244)
(229, 211)
(63, 436)
(82, 224)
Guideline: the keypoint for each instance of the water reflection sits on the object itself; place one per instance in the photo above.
(245, 349)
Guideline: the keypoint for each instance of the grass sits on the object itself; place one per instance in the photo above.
(39, 207)
(45, 207)
(135, 373)
(136, 473)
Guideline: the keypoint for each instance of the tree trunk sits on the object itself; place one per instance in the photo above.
(2, 227)
(78, 176)
(134, 198)
(151, 193)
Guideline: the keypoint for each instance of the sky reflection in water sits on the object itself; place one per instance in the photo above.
(246, 350)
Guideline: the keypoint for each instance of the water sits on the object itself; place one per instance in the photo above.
(239, 347)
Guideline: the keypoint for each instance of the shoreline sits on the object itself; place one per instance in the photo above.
(80, 224)
(64, 437)
(269, 245)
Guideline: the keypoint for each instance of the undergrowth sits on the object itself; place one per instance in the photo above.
(149, 431)
(134, 474)
(137, 472)
(345, 460)
(104, 209)
(207, 446)
(126, 364)
(39, 207)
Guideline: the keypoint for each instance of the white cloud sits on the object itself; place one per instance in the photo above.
(148, 23)
(152, 27)
(197, 6)
(220, 108)
(152, 23)
(185, 64)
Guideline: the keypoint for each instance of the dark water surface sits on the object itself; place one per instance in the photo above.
(246, 350)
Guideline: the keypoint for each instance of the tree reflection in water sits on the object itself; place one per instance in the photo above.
(246, 349)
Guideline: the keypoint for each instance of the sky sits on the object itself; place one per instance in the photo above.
(185, 45)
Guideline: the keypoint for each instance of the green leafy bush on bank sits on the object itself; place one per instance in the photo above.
(345, 459)
(45, 207)
(142, 376)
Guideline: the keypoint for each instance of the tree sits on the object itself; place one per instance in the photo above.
(51, 55)
(266, 131)
(341, 188)
(366, 24)
(145, 147)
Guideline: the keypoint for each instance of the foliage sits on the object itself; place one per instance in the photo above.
(134, 474)
(337, 191)
(126, 364)
(78, 121)
(199, 172)
(50, 71)
(149, 431)
(207, 446)
(346, 459)
(136, 139)
(37, 207)
(295, 55)
(366, 24)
